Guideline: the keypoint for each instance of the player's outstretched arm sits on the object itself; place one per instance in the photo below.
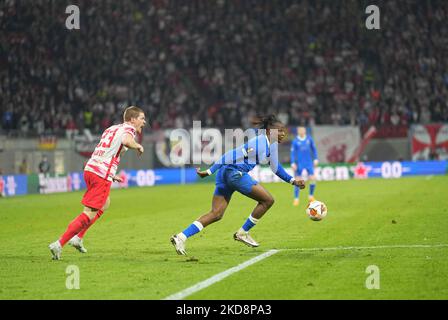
(129, 142)
(278, 169)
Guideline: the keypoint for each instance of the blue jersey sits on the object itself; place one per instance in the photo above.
(303, 152)
(257, 150)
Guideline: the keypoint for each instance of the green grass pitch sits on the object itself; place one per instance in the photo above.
(130, 256)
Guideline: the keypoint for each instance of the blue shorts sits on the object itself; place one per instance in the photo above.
(309, 170)
(229, 180)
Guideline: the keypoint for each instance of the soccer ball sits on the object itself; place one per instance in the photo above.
(316, 210)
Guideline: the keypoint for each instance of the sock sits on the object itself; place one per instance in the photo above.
(74, 227)
(181, 236)
(296, 192)
(96, 217)
(312, 188)
(250, 222)
(194, 228)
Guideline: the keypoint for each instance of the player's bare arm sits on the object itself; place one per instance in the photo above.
(129, 142)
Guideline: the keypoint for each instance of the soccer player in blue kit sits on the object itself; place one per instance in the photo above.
(232, 175)
(304, 157)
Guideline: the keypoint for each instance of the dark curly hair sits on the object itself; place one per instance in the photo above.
(267, 122)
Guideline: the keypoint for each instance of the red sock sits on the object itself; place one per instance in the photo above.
(83, 231)
(74, 227)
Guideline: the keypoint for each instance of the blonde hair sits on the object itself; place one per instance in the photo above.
(131, 112)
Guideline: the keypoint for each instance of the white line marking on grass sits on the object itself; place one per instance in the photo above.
(220, 276)
(216, 278)
(429, 177)
(409, 246)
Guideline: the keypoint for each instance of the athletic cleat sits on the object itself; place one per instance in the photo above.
(245, 238)
(56, 250)
(311, 198)
(76, 242)
(179, 245)
(296, 202)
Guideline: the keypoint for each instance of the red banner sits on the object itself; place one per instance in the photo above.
(388, 131)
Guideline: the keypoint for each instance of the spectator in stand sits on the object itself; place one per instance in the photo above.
(182, 60)
(23, 168)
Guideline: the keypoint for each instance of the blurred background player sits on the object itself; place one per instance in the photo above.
(2, 184)
(44, 172)
(44, 166)
(99, 173)
(232, 175)
(304, 157)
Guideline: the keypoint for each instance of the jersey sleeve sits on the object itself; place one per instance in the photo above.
(276, 166)
(128, 130)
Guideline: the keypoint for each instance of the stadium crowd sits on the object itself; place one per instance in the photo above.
(221, 62)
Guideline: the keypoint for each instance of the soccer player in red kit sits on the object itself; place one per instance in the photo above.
(99, 173)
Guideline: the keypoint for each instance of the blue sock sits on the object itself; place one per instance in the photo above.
(296, 192)
(250, 222)
(192, 229)
(312, 188)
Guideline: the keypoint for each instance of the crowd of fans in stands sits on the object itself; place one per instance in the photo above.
(221, 62)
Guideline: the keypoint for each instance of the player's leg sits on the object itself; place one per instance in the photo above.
(97, 216)
(73, 228)
(297, 189)
(312, 178)
(298, 175)
(296, 195)
(219, 205)
(264, 202)
(220, 201)
(95, 197)
(264, 199)
(77, 240)
(81, 222)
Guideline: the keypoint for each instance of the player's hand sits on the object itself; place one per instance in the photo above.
(294, 167)
(316, 163)
(140, 149)
(117, 179)
(202, 174)
(299, 183)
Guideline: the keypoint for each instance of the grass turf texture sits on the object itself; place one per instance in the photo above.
(130, 256)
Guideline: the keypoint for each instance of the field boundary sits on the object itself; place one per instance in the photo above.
(220, 276)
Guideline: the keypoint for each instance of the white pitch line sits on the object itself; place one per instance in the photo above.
(216, 278)
(429, 177)
(404, 246)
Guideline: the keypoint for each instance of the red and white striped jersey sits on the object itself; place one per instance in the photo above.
(106, 157)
